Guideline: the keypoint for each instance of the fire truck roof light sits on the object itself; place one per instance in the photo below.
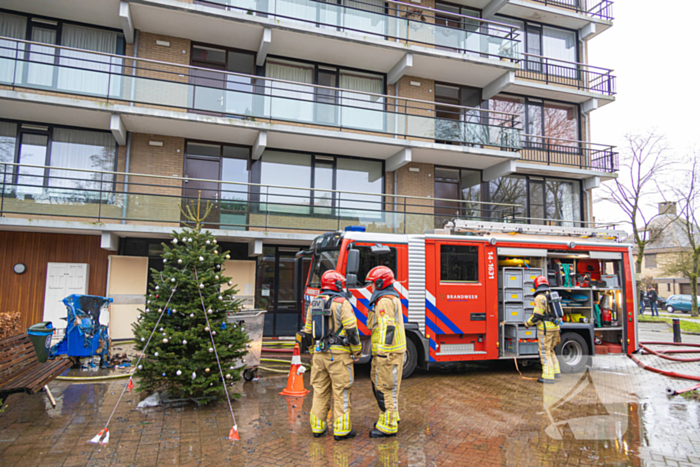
(355, 228)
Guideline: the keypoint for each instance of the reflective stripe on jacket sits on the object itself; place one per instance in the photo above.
(386, 323)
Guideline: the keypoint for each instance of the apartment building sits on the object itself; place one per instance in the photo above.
(293, 118)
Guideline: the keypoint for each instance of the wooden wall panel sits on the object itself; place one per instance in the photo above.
(25, 292)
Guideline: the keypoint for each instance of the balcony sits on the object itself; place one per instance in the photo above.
(602, 9)
(444, 46)
(247, 104)
(115, 198)
(567, 74)
(570, 153)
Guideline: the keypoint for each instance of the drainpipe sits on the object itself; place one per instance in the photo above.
(133, 66)
(396, 172)
(588, 198)
(126, 177)
(128, 133)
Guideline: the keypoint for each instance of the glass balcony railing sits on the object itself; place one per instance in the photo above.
(119, 80)
(391, 20)
(602, 9)
(115, 197)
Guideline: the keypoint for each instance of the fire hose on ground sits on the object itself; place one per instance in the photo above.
(663, 354)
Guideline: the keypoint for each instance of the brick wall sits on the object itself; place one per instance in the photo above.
(170, 94)
(144, 204)
(416, 125)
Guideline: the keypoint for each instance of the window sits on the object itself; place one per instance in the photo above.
(650, 261)
(83, 72)
(322, 173)
(459, 263)
(64, 149)
(558, 45)
(542, 120)
(556, 200)
(368, 261)
(360, 111)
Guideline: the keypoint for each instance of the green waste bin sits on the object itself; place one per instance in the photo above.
(40, 334)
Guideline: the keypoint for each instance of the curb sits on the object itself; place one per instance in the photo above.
(670, 326)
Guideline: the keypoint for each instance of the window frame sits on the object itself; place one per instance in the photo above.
(475, 250)
(255, 177)
(366, 246)
(47, 161)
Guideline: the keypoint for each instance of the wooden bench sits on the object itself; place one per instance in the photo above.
(20, 370)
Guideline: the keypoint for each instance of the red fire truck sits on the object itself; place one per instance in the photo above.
(467, 289)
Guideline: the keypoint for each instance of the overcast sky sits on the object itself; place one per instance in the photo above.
(653, 50)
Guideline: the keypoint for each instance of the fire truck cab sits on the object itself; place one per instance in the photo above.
(467, 289)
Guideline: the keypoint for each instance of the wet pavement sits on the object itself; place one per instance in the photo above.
(468, 414)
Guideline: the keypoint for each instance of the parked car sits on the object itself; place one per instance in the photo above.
(680, 303)
(661, 302)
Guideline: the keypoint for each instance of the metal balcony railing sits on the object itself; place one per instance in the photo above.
(118, 79)
(602, 9)
(581, 154)
(391, 20)
(570, 74)
(101, 196)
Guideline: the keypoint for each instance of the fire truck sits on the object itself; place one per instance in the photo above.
(467, 289)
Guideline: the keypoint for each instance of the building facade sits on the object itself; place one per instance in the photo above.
(292, 118)
(661, 255)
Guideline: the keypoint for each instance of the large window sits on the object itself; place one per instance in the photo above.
(321, 172)
(557, 45)
(541, 118)
(544, 200)
(320, 105)
(82, 72)
(459, 263)
(60, 148)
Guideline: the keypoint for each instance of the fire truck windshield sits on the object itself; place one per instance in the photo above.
(322, 262)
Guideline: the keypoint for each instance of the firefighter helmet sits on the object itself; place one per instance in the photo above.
(332, 280)
(541, 284)
(381, 276)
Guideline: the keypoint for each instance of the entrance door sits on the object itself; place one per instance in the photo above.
(201, 167)
(63, 279)
(280, 290)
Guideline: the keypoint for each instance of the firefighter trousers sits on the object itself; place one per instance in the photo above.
(386, 381)
(331, 378)
(548, 338)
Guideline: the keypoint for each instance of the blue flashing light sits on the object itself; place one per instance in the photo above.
(355, 228)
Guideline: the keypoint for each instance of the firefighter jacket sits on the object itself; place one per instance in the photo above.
(344, 326)
(385, 320)
(541, 315)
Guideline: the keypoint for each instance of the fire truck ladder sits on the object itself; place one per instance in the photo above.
(481, 227)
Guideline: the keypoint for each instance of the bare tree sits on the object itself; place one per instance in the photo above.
(687, 192)
(641, 170)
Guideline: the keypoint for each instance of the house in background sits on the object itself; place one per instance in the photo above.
(665, 249)
(293, 118)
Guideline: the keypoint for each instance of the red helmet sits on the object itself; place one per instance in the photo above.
(541, 283)
(382, 277)
(332, 280)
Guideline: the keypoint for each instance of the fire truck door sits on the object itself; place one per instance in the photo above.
(460, 301)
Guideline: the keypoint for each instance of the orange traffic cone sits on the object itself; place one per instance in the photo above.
(295, 380)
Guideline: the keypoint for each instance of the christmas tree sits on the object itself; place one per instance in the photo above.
(190, 348)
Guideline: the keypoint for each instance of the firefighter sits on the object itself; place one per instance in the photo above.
(385, 320)
(547, 331)
(332, 336)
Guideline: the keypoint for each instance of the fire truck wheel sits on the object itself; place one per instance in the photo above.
(573, 353)
(410, 359)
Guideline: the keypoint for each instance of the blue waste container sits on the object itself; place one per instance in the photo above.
(40, 334)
